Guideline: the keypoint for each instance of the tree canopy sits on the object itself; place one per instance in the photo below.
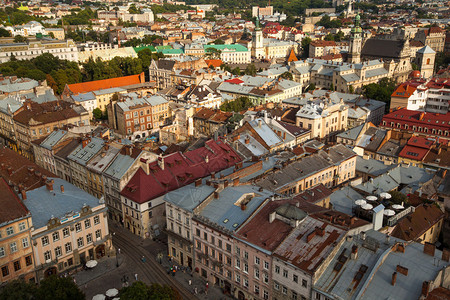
(381, 91)
(140, 291)
(51, 288)
(240, 104)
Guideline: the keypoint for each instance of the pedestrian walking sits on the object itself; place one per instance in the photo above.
(85, 286)
(190, 282)
(195, 290)
(135, 276)
(118, 250)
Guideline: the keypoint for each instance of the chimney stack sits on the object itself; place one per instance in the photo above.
(394, 278)
(49, 184)
(243, 206)
(216, 195)
(62, 188)
(213, 175)
(10, 170)
(247, 140)
(198, 182)
(354, 254)
(24, 194)
(429, 249)
(425, 288)
(236, 181)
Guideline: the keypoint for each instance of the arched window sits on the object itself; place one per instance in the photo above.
(428, 61)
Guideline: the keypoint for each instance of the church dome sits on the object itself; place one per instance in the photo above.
(414, 74)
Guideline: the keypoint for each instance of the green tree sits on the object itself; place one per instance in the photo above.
(140, 291)
(212, 53)
(97, 113)
(51, 82)
(145, 56)
(236, 71)
(381, 91)
(311, 87)
(250, 70)
(4, 32)
(61, 288)
(218, 42)
(351, 89)
(286, 75)
(237, 105)
(20, 39)
(305, 46)
(46, 62)
(398, 197)
(18, 289)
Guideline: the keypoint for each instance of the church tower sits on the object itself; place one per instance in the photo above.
(354, 53)
(258, 42)
(425, 59)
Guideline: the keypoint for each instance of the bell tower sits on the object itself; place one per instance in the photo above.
(354, 53)
(258, 41)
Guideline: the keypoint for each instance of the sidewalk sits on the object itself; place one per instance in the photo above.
(104, 266)
(183, 277)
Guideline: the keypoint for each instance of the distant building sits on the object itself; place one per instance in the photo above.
(16, 251)
(31, 49)
(421, 123)
(433, 37)
(260, 12)
(69, 227)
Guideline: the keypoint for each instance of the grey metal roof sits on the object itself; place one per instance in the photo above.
(224, 212)
(265, 132)
(102, 159)
(156, 100)
(350, 77)
(352, 134)
(376, 72)
(372, 166)
(392, 179)
(83, 97)
(83, 155)
(44, 204)
(190, 196)
(343, 200)
(120, 166)
(19, 85)
(53, 138)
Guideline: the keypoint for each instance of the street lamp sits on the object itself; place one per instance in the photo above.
(117, 258)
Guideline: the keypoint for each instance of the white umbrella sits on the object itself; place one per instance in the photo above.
(389, 212)
(371, 198)
(112, 292)
(360, 202)
(367, 206)
(91, 263)
(397, 206)
(385, 195)
(99, 297)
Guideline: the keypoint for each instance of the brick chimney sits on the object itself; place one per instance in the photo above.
(198, 182)
(402, 270)
(247, 140)
(446, 255)
(213, 175)
(216, 195)
(10, 170)
(62, 188)
(429, 249)
(243, 206)
(425, 288)
(354, 254)
(85, 141)
(24, 194)
(49, 184)
(394, 278)
(236, 181)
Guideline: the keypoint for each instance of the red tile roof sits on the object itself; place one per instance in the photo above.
(179, 170)
(430, 121)
(44, 113)
(416, 224)
(17, 169)
(404, 90)
(234, 81)
(12, 206)
(90, 86)
(216, 63)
